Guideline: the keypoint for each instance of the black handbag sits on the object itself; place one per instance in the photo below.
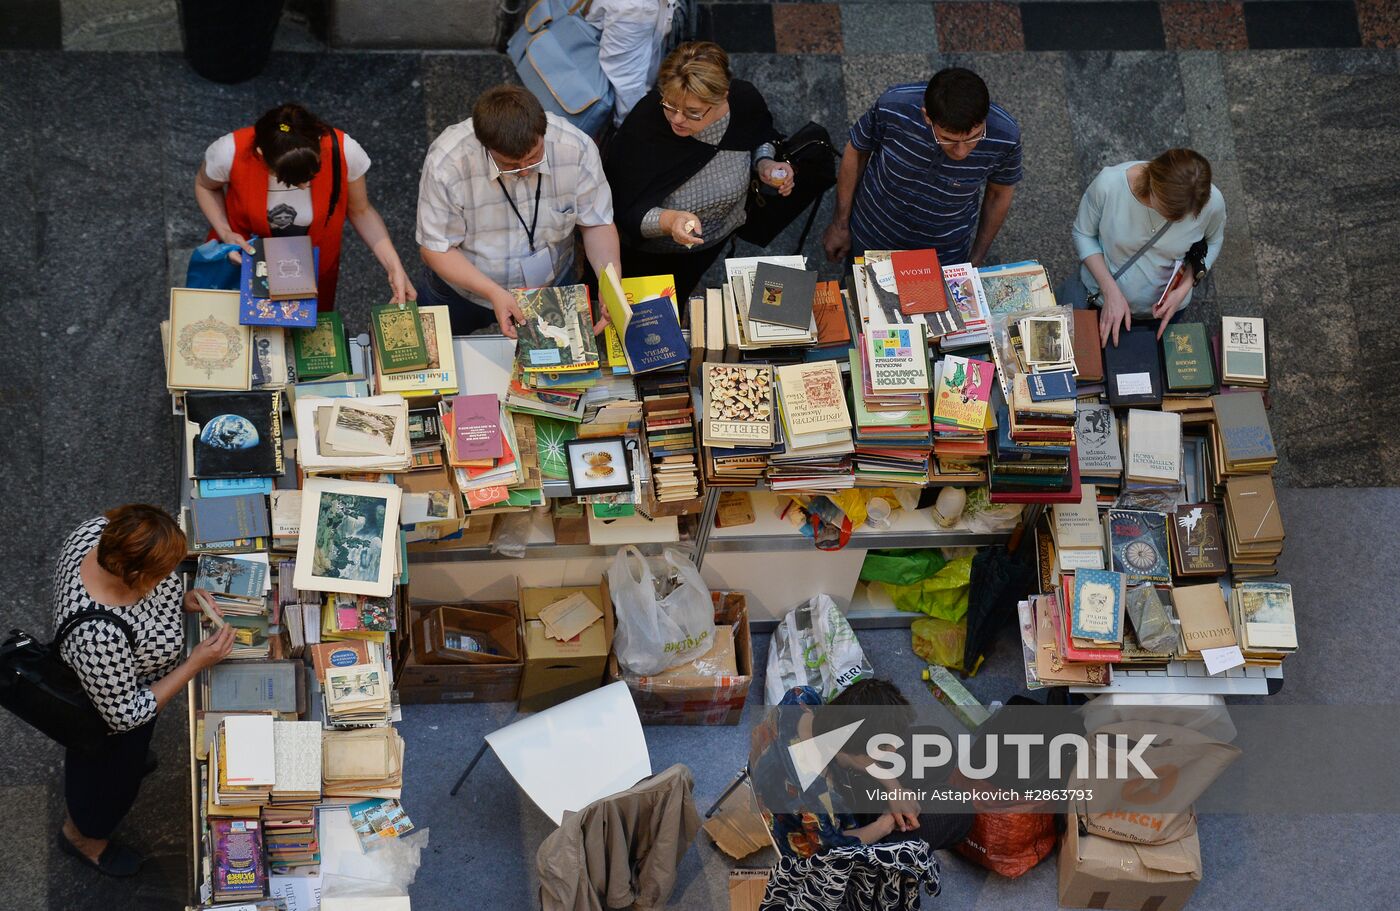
(38, 686)
(814, 159)
(1196, 261)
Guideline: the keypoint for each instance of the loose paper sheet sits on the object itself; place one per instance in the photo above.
(1222, 659)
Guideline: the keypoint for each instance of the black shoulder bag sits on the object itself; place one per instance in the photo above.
(813, 158)
(37, 685)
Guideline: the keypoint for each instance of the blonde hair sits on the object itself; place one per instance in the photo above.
(1177, 182)
(698, 68)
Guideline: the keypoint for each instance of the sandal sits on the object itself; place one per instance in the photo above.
(116, 860)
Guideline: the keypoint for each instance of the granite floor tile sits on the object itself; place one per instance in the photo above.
(888, 28)
(1193, 25)
(1126, 25)
(1207, 106)
(868, 75)
(26, 846)
(1234, 273)
(975, 26)
(738, 27)
(1379, 23)
(32, 25)
(1124, 106)
(807, 28)
(121, 25)
(451, 83)
(1301, 23)
(1353, 61)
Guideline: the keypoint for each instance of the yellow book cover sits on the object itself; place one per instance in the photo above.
(440, 376)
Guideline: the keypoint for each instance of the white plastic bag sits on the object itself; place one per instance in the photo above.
(661, 622)
(814, 646)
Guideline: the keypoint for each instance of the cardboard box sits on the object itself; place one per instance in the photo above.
(557, 671)
(737, 827)
(1102, 873)
(498, 634)
(746, 888)
(421, 682)
(666, 699)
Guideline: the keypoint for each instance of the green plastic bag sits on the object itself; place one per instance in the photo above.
(900, 567)
(943, 595)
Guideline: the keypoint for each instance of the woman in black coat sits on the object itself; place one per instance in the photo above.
(681, 163)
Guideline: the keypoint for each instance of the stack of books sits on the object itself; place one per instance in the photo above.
(1137, 544)
(1244, 444)
(1253, 527)
(644, 329)
(1077, 533)
(811, 400)
(738, 426)
(966, 296)
(768, 307)
(243, 761)
(413, 354)
(1189, 372)
(1244, 361)
(892, 423)
(669, 426)
(237, 870)
(357, 695)
(361, 764)
(340, 435)
(284, 296)
(1263, 616)
(361, 617)
(1031, 468)
(962, 396)
(1153, 451)
(1099, 449)
(239, 584)
(290, 836)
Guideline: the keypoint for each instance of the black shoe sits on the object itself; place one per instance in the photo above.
(116, 860)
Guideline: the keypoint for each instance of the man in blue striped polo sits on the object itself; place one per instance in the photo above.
(913, 173)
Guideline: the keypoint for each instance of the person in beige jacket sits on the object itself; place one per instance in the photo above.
(622, 851)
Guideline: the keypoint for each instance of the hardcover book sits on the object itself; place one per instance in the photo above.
(814, 398)
(228, 518)
(1242, 350)
(238, 866)
(783, 296)
(246, 579)
(208, 348)
(897, 359)
(476, 427)
(964, 393)
(1133, 369)
(439, 377)
(1186, 356)
(1053, 386)
(653, 337)
(1096, 431)
(291, 267)
(557, 334)
(1205, 620)
(1252, 506)
(321, 351)
(918, 278)
(255, 308)
(1097, 612)
(1198, 543)
(1137, 544)
(1154, 446)
(738, 401)
(237, 435)
(1088, 355)
(829, 310)
(1244, 429)
(398, 337)
(1266, 613)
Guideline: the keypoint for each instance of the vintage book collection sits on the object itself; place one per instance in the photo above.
(1150, 464)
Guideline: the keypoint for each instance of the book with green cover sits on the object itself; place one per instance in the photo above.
(321, 350)
(398, 337)
(1186, 354)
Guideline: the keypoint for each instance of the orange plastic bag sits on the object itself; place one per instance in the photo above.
(1009, 843)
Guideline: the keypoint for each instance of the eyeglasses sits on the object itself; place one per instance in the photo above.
(671, 109)
(954, 143)
(502, 172)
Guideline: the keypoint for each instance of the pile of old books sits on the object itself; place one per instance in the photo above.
(893, 425)
(357, 695)
(413, 353)
(811, 400)
(363, 763)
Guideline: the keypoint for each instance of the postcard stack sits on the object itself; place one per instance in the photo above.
(357, 695)
(362, 763)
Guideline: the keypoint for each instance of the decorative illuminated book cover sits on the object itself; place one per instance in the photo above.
(1137, 544)
(209, 348)
(440, 376)
(738, 401)
(321, 351)
(1186, 356)
(398, 337)
(255, 308)
(814, 398)
(557, 333)
(964, 392)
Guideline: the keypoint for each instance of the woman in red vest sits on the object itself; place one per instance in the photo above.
(291, 174)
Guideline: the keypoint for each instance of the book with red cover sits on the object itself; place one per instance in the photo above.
(1073, 495)
(919, 280)
(830, 312)
(476, 429)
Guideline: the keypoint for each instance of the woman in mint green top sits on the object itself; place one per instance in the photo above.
(1123, 208)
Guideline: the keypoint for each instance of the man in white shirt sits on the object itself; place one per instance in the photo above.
(500, 197)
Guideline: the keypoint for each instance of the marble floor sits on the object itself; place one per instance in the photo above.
(102, 126)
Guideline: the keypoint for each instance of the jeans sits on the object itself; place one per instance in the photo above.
(467, 316)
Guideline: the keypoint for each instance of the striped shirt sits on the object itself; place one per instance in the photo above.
(461, 206)
(911, 195)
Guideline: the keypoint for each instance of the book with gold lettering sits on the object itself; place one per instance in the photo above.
(1186, 357)
(1198, 543)
(398, 337)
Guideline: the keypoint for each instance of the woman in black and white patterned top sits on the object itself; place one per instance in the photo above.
(123, 563)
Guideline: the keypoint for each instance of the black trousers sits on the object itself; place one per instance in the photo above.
(686, 268)
(101, 785)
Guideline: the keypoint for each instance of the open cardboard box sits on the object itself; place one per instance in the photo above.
(557, 671)
(422, 682)
(671, 699)
(1103, 873)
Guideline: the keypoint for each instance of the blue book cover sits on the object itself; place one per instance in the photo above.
(1045, 387)
(653, 337)
(231, 576)
(210, 488)
(257, 311)
(229, 518)
(1097, 612)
